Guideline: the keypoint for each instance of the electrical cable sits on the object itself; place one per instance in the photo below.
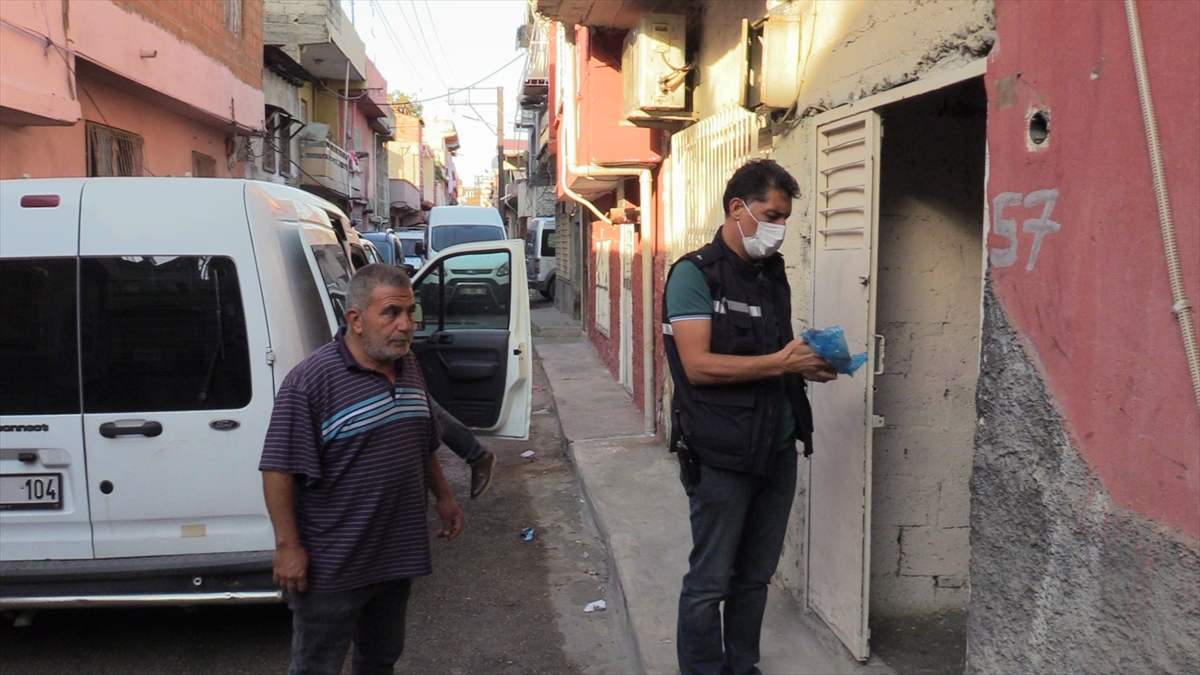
(428, 53)
(1181, 307)
(396, 45)
(480, 80)
(438, 39)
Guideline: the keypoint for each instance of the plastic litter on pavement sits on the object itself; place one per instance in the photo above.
(597, 606)
(527, 534)
(529, 454)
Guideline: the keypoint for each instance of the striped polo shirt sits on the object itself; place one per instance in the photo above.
(359, 448)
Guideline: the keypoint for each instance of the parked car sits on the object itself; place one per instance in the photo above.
(453, 225)
(412, 243)
(373, 255)
(141, 356)
(540, 259)
(388, 245)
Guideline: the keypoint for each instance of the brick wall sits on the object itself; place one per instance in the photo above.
(202, 23)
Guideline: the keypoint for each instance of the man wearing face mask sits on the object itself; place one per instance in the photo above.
(739, 410)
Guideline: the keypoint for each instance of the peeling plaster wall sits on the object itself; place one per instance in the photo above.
(929, 283)
(1063, 578)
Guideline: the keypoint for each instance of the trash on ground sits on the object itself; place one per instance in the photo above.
(597, 606)
(529, 454)
(830, 344)
(537, 388)
(527, 534)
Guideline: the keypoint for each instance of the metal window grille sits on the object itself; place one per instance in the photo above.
(203, 166)
(270, 142)
(703, 158)
(233, 15)
(112, 152)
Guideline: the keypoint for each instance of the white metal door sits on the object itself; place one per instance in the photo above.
(839, 512)
(626, 349)
(177, 385)
(43, 476)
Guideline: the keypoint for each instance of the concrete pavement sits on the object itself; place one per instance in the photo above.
(631, 484)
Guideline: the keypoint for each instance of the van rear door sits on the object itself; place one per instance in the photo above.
(43, 475)
(177, 387)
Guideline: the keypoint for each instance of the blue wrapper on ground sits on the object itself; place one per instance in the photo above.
(830, 344)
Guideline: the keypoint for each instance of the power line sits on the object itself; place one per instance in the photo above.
(480, 80)
(428, 53)
(396, 43)
(438, 39)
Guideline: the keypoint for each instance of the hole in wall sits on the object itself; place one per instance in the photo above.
(1039, 127)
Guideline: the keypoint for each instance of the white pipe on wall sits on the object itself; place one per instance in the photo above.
(568, 142)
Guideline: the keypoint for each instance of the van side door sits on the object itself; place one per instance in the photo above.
(473, 336)
(177, 385)
(43, 475)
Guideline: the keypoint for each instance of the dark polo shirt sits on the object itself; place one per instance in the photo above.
(359, 448)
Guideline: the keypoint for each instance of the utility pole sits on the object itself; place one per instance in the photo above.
(499, 145)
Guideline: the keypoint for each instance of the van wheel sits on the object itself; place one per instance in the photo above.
(549, 292)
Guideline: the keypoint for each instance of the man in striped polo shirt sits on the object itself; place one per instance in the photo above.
(348, 459)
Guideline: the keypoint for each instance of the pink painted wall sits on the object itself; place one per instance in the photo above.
(45, 152)
(1095, 305)
(35, 80)
(179, 70)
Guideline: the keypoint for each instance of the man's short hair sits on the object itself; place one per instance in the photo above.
(754, 179)
(367, 279)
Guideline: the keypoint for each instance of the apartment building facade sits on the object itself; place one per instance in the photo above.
(1022, 445)
(75, 102)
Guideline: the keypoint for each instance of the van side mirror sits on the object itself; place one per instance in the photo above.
(412, 271)
(421, 248)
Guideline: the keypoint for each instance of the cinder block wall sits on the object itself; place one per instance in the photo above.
(930, 266)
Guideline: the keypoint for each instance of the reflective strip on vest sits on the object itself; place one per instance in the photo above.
(719, 306)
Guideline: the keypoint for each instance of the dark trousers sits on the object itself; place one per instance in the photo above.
(738, 525)
(325, 623)
(457, 436)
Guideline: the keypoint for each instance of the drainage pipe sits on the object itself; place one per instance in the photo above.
(569, 141)
(1181, 307)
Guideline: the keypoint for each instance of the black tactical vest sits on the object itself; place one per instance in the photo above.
(734, 426)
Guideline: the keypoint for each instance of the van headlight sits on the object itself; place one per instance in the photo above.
(503, 270)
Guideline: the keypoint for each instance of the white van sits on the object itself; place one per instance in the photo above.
(453, 225)
(540, 261)
(147, 323)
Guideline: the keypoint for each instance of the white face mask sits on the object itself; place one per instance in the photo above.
(766, 240)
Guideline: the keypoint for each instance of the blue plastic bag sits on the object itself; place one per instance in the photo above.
(830, 344)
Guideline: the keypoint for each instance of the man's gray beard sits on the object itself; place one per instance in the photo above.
(379, 348)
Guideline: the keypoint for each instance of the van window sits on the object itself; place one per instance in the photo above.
(335, 269)
(452, 235)
(548, 241)
(530, 242)
(410, 247)
(162, 333)
(39, 357)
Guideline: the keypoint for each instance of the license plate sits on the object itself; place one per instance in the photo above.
(31, 491)
(474, 291)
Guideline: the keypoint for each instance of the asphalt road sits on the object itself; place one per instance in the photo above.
(494, 604)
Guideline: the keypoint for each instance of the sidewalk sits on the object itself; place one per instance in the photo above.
(632, 486)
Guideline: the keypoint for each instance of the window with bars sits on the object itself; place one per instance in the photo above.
(112, 152)
(203, 166)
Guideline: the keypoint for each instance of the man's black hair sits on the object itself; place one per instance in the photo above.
(754, 179)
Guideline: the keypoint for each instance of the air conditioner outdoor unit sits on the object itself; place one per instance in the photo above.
(654, 68)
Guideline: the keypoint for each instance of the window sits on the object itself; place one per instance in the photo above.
(333, 266)
(162, 333)
(467, 291)
(548, 241)
(203, 166)
(410, 247)
(450, 235)
(233, 15)
(39, 357)
(112, 152)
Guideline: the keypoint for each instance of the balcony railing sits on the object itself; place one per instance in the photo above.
(324, 165)
(535, 80)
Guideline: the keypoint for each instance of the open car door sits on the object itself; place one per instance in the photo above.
(473, 337)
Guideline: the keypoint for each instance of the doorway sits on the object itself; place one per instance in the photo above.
(898, 262)
(930, 265)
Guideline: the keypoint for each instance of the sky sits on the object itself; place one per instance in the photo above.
(446, 44)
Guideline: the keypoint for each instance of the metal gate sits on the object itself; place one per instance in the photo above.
(703, 157)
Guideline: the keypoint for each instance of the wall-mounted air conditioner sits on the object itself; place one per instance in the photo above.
(773, 61)
(654, 68)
